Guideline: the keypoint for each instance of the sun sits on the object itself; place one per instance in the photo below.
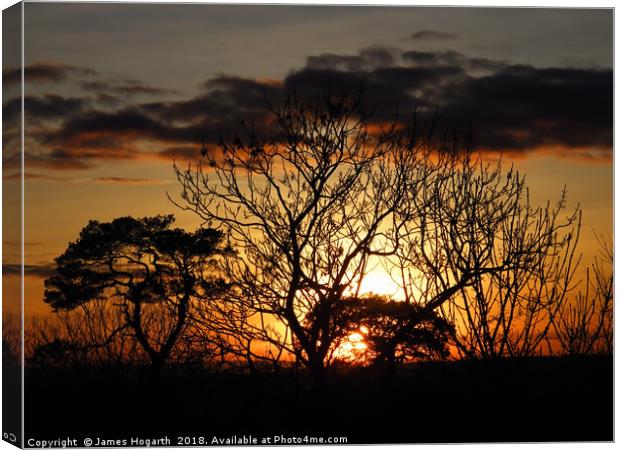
(379, 282)
(353, 347)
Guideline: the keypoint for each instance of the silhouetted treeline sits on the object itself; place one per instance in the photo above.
(294, 221)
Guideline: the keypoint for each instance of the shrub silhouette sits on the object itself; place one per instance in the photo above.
(56, 353)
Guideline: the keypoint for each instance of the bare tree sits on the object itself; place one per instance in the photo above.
(306, 207)
(585, 324)
(329, 191)
(495, 265)
(11, 338)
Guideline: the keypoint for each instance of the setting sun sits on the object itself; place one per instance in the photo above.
(379, 282)
(352, 347)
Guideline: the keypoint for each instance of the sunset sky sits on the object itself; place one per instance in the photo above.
(115, 92)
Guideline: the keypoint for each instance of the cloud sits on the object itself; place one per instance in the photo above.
(27, 175)
(223, 104)
(45, 107)
(125, 180)
(124, 88)
(522, 108)
(431, 35)
(179, 127)
(107, 99)
(56, 159)
(100, 133)
(19, 244)
(386, 90)
(512, 107)
(36, 271)
(515, 108)
(51, 72)
(187, 153)
(95, 180)
(367, 59)
(449, 57)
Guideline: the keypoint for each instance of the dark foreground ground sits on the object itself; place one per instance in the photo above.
(542, 399)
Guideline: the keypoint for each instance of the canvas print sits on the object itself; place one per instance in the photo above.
(306, 225)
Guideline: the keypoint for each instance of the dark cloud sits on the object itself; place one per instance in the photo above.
(107, 99)
(46, 107)
(385, 90)
(452, 58)
(368, 59)
(179, 126)
(44, 72)
(57, 158)
(80, 141)
(110, 130)
(37, 271)
(223, 104)
(93, 136)
(431, 35)
(187, 153)
(511, 107)
(521, 108)
(124, 88)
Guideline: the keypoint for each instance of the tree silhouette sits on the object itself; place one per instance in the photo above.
(306, 206)
(380, 321)
(477, 250)
(585, 323)
(333, 190)
(152, 275)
